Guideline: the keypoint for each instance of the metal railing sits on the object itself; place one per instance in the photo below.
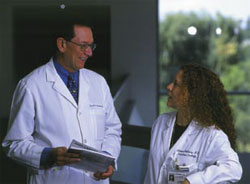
(164, 92)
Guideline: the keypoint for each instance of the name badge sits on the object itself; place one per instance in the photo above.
(176, 177)
(185, 161)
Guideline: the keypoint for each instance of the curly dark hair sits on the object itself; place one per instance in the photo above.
(207, 100)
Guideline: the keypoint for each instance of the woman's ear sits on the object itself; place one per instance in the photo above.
(61, 44)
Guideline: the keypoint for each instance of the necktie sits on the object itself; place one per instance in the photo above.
(71, 84)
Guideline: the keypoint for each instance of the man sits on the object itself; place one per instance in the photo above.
(56, 103)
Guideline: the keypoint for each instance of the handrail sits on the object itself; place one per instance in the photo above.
(238, 92)
(164, 92)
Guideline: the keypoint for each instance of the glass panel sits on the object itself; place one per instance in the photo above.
(204, 32)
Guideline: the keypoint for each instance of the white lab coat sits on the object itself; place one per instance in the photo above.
(44, 114)
(215, 160)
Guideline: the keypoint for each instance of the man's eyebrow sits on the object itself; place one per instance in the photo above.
(86, 42)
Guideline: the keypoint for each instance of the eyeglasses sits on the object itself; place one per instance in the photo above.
(84, 46)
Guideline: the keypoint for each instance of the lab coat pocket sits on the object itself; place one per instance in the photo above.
(186, 161)
(52, 176)
(98, 144)
(98, 115)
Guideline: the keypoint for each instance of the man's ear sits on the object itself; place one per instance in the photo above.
(61, 44)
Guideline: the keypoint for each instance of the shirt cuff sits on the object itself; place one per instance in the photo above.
(46, 159)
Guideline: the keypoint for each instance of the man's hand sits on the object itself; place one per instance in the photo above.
(62, 157)
(108, 173)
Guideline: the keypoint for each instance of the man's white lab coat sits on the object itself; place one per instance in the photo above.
(44, 114)
(206, 151)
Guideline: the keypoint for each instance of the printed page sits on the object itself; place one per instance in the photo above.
(91, 159)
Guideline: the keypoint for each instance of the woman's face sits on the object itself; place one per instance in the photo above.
(177, 93)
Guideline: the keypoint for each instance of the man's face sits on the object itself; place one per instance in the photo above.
(74, 57)
(177, 93)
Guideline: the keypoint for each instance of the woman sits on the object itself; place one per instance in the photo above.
(194, 145)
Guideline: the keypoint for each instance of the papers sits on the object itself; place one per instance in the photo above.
(91, 159)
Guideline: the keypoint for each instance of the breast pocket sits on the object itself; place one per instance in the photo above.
(98, 116)
(185, 161)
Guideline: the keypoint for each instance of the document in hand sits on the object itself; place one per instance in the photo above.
(91, 159)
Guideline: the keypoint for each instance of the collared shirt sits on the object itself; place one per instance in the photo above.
(63, 73)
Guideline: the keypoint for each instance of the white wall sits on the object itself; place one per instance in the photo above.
(134, 51)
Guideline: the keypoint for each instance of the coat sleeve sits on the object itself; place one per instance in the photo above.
(150, 175)
(222, 163)
(112, 137)
(18, 143)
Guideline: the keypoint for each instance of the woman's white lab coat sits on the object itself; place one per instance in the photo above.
(206, 150)
(44, 114)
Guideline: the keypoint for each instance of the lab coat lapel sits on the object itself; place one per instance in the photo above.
(58, 86)
(185, 140)
(166, 135)
(191, 132)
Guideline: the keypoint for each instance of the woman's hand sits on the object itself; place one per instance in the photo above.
(185, 182)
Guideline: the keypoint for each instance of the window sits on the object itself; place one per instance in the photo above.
(215, 34)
